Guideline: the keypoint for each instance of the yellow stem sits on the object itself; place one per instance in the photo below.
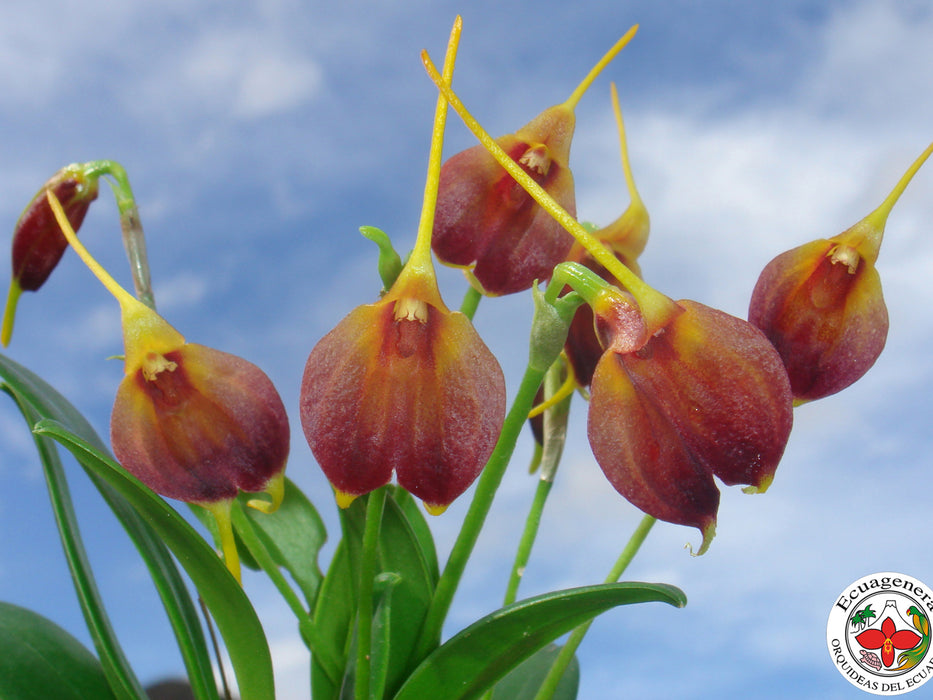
(9, 312)
(221, 512)
(421, 255)
(122, 296)
(871, 228)
(584, 85)
(565, 390)
(626, 164)
(657, 308)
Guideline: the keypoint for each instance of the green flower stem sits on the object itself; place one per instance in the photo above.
(133, 238)
(247, 533)
(488, 483)
(486, 488)
(374, 505)
(532, 523)
(470, 302)
(549, 685)
(555, 431)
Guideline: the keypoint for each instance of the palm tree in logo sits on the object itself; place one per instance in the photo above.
(861, 618)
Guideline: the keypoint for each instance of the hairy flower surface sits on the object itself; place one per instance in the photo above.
(403, 385)
(485, 219)
(821, 304)
(198, 424)
(707, 396)
(822, 307)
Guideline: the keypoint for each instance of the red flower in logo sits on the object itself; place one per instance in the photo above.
(888, 638)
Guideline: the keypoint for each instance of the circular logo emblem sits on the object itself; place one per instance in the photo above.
(879, 633)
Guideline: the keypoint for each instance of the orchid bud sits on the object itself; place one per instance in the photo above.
(38, 243)
(822, 307)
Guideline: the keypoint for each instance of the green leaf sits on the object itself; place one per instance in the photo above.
(115, 666)
(401, 552)
(382, 632)
(36, 398)
(38, 659)
(419, 526)
(406, 550)
(523, 681)
(294, 535)
(236, 620)
(478, 656)
(328, 634)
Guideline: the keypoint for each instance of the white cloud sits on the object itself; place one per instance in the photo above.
(185, 289)
(243, 74)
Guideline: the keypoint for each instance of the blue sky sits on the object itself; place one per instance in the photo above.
(260, 136)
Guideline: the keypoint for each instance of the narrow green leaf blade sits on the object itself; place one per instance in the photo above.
(328, 633)
(478, 656)
(236, 619)
(29, 390)
(401, 552)
(38, 659)
(421, 530)
(116, 667)
(294, 535)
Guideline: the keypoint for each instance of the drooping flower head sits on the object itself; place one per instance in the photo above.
(190, 422)
(626, 238)
(38, 243)
(707, 396)
(486, 221)
(682, 392)
(405, 385)
(822, 307)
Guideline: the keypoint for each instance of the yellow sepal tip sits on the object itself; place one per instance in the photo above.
(343, 499)
(144, 331)
(762, 487)
(565, 390)
(275, 490)
(434, 509)
(708, 534)
(9, 312)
